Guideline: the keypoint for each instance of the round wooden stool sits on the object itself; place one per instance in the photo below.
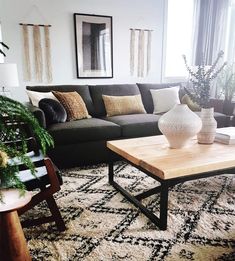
(13, 246)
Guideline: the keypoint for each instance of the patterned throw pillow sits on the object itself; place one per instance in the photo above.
(121, 105)
(73, 104)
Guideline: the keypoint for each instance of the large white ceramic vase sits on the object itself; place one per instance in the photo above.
(209, 125)
(179, 125)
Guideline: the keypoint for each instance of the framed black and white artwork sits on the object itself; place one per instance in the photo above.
(93, 45)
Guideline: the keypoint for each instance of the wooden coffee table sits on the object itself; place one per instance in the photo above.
(153, 156)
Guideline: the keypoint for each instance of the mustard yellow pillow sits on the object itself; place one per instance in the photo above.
(73, 104)
(121, 105)
(192, 105)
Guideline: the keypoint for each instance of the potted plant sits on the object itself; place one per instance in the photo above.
(226, 88)
(13, 110)
(201, 78)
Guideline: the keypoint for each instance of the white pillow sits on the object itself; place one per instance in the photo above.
(35, 97)
(165, 99)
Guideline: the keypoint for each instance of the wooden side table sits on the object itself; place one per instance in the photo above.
(13, 246)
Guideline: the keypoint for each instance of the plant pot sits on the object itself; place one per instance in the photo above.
(209, 125)
(179, 125)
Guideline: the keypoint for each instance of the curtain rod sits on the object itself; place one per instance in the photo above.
(43, 25)
(137, 29)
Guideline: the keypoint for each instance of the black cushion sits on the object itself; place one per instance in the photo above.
(113, 90)
(84, 130)
(137, 125)
(53, 110)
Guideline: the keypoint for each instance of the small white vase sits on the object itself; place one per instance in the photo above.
(179, 125)
(209, 125)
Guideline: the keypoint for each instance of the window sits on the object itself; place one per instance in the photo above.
(178, 38)
(230, 39)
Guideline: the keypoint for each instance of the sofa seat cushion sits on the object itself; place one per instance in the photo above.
(83, 131)
(137, 125)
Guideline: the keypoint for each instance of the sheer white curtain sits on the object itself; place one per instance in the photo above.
(230, 40)
(210, 19)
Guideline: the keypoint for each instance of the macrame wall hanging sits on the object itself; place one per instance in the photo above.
(140, 52)
(36, 44)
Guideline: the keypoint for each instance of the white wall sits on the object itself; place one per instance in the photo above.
(59, 13)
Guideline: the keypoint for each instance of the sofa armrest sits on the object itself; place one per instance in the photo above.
(217, 104)
(38, 113)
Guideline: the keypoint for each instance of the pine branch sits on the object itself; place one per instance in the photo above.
(11, 112)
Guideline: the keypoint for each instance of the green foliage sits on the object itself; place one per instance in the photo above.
(226, 83)
(15, 111)
(201, 79)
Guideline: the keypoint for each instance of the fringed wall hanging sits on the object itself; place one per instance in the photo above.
(37, 53)
(48, 54)
(27, 64)
(38, 63)
(149, 43)
(140, 52)
(132, 52)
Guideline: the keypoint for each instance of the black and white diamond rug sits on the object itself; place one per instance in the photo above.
(102, 225)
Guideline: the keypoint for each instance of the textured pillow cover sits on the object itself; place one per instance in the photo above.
(53, 110)
(192, 105)
(165, 99)
(121, 105)
(35, 97)
(73, 104)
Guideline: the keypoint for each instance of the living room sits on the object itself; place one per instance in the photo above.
(145, 44)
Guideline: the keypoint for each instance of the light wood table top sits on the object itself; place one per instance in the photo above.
(154, 155)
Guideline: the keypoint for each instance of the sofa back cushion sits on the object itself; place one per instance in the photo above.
(111, 90)
(146, 94)
(83, 90)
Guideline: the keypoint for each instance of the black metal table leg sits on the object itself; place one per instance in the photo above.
(160, 222)
(111, 172)
(163, 204)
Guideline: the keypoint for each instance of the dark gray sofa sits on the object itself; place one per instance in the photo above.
(83, 141)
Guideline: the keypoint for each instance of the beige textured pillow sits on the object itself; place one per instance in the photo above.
(121, 105)
(73, 104)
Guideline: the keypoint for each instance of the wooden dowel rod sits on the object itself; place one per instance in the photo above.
(43, 25)
(137, 29)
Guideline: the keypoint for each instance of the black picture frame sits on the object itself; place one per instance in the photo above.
(93, 45)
